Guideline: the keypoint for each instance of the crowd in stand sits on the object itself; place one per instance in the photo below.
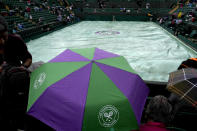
(181, 20)
(14, 54)
(64, 14)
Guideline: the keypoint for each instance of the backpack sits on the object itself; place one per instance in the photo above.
(14, 88)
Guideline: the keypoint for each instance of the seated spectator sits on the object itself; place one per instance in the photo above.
(193, 19)
(20, 26)
(30, 17)
(11, 12)
(59, 18)
(36, 9)
(28, 9)
(26, 15)
(161, 21)
(16, 9)
(68, 19)
(28, 2)
(14, 30)
(128, 11)
(40, 20)
(147, 5)
(72, 16)
(158, 114)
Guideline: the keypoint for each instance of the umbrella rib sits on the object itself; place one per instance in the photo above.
(184, 74)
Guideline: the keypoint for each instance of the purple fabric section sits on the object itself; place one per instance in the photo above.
(101, 54)
(62, 105)
(67, 56)
(131, 85)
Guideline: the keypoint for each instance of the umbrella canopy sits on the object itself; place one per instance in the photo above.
(183, 82)
(87, 89)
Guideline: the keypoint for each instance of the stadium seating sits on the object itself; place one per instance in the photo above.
(31, 27)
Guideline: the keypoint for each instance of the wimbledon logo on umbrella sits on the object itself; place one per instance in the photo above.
(39, 80)
(108, 116)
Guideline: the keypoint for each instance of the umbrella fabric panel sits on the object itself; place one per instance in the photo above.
(101, 54)
(118, 62)
(106, 106)
(186, 89)
(86, 52)
(94, 53)
(48, 74)
(184, 83)
(68, 56)
(182, 74)
(131, 85)
(61, 106)
(182, 87)
(191, 96)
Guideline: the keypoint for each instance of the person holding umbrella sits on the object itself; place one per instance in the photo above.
(182, 85)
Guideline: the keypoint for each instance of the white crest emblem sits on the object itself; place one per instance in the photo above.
(39, 80)
(108, 116)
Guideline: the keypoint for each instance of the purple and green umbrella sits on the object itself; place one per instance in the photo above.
(87, 90)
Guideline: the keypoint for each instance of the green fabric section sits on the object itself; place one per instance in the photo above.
(53, 72)
(118, 62)
(86, 52)
(102, 92)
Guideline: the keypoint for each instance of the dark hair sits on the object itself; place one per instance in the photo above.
(3, 24)
(159, 109)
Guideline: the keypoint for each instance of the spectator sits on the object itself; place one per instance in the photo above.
(181, 105)
(28, 2)
(26, 15)
(193, 19)
(30, 17)
(28, 9)
(158, 114)
(59, 17)
(13, 52)
(161, 21)
(20, 26)
(147, 5)
(14, 30)
(12, 48)
(68, 19)
(40, 20)
(36, 9)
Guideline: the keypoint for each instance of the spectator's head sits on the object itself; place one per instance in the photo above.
(3, 30)
(159, 110)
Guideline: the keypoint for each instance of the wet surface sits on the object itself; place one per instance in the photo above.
(150, 50)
